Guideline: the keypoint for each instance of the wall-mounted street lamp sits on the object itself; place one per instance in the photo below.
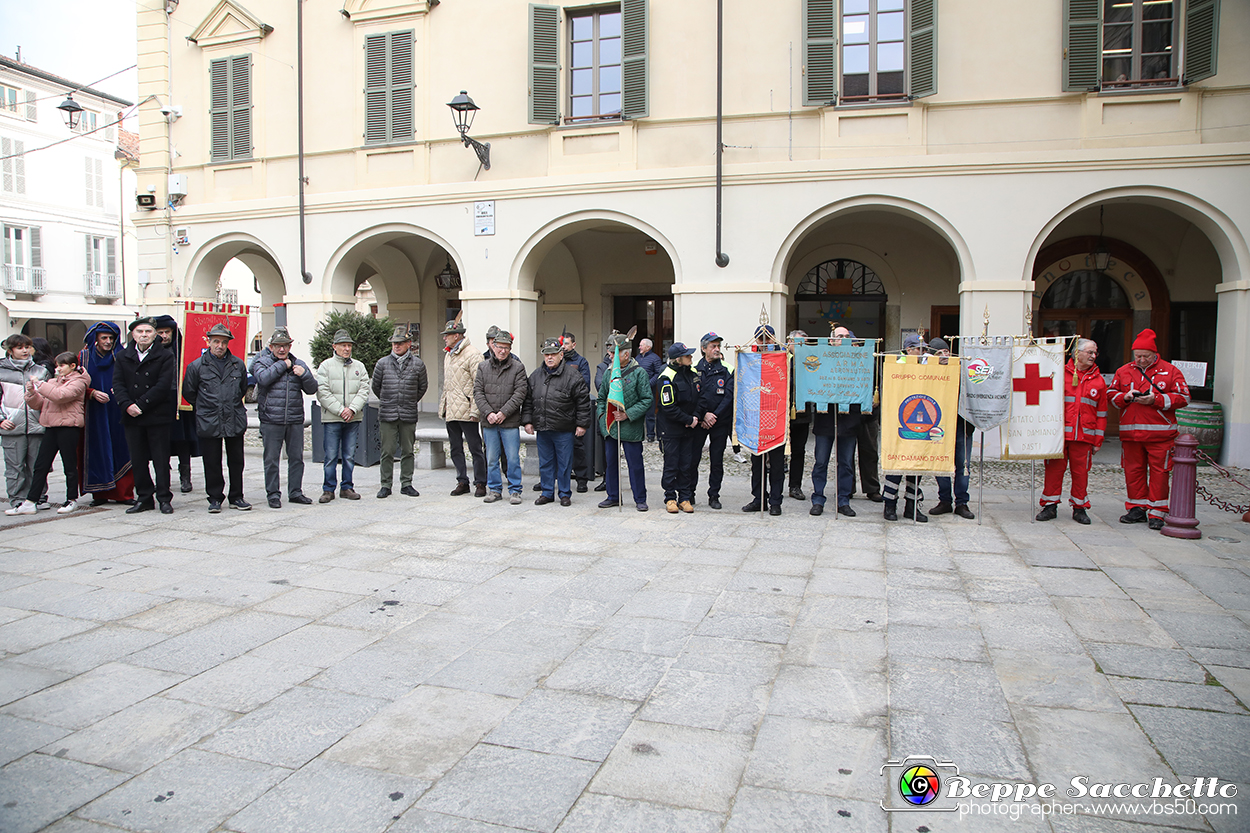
(462, 112)
(71, 111)
(449, 278)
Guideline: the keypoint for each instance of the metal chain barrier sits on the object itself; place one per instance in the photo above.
(1212, 499)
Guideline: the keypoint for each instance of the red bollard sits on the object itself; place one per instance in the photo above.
(1180, 521)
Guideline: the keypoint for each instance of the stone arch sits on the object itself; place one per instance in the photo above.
(341, 273)
(539, 244)
(209, 259)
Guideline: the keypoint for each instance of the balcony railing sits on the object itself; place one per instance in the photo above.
(101, 285)
(24, 279)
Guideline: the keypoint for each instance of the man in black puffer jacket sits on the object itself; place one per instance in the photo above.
(558, 405)
(399, 382)
(281, 382)
(214, 384)
(143, 387)
(678, 427)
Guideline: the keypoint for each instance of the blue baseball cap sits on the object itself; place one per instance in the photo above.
(708, 338)
(765, 331)
(677, 350)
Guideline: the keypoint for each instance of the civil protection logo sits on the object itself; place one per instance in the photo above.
(979, 370)
(920, 418)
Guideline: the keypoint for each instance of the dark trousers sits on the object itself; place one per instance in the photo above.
(715, 460)
(651, 415)
(458, 433)
(149, 444)
(583, 457)
(273, 438)
(776, 475)
(214, 483)
(963, 440)
(633, 461)
(681, 461)
(798, 452)
(868, 437)
(845, 468)
(893, 481)
(61, 439)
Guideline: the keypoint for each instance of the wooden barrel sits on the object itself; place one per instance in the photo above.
(1205, 420)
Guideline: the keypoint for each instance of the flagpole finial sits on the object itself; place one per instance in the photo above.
(763, 313)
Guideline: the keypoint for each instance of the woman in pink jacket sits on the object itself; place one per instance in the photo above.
(61, 402)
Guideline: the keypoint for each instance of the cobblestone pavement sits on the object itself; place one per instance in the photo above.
(439, 664)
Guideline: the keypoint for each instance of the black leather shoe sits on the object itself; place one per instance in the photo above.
(602, 487)
(566, 501)
(875, 497)
(845, 509)
(538, 487)
(891, 510)
(99, 501)
(461, 489)
(275, 502)
(713, 503)
(943, 508)
(963, 511)
(1136, 515)
(1080, 515)
(302, 500)
(1155, 523)
(214, 506)
(797, 493)
(817, 509)
(185, 485)
(775, 509)
(240, 504)
(641, 507)
(581, 485)
(608, 503)
(543, 500)
(408, 491)
(384, 492)
(479, 490)
(142, 506)
(911, 511)
(167, 508)
(1049, 513)
(751, 507)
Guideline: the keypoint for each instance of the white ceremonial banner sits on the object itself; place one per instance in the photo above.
(1034, 431)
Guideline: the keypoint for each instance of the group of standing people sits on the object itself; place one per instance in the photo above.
(112, 413)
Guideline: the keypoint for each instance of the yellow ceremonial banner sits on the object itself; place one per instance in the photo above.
(919, 405)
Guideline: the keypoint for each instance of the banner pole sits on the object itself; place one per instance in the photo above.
(1032, 487)
(835, 463)
(981, 482)
(620, 452)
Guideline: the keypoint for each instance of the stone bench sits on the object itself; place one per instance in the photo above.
(432, 454)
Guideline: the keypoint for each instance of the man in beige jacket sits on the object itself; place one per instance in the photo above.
(457, 407)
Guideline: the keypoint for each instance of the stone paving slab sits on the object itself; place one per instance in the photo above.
(435, 664)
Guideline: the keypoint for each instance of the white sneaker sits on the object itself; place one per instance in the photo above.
(739, 458)
(67, 507)
(44, 506)
(24, 508)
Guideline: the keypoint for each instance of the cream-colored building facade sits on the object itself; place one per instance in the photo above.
(897, 164)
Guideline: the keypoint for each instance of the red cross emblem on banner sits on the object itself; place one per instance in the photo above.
(1032, 384)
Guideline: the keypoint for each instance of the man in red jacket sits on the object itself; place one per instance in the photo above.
(1084, 428)
(1148, 391)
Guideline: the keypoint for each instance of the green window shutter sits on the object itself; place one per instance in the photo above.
(1082, 45)
(1202, 39)
(375, 89)
(241, 107)
(922, 48)
(634, 58)
(219, 109)
(544, 64)
(401, 126)
(820, 47)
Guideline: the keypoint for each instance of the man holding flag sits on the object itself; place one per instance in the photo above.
(624, 401)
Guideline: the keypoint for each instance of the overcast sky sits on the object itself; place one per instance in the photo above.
(80, 40)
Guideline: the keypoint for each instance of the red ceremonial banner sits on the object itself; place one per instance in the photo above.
(200, 318)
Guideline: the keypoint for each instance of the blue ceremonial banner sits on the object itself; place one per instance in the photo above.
(834, 374)
(762, 400)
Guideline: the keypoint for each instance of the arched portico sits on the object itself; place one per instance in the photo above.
(204, 273)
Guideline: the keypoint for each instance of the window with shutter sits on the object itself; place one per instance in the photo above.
(14, 166)
(544, 86)
(819, 44)
(1202, 36)
(873, 51)
(634, 24)
(6, 163)
(1082, 20)
(230, 108)
(99, 183)
(922, 48)
(608, 62)
(389, 87)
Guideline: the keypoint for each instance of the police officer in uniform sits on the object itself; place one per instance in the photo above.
(678, 426)
(716, 415)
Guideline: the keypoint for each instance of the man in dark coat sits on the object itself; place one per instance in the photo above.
(654, 365)
(558, 406)
(716, 415)
(214, 385)
(399, 382)
(840, 432)
(583, 454)
(105, 470)
(499, 389)
(143, 387)
(281, 382)
(679, 428)
(183, 441)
